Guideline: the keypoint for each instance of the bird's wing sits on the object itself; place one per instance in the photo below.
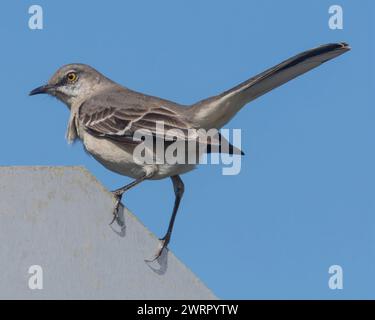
(118, 115)
(128, 117)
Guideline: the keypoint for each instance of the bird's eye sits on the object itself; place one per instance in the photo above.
(71, 76)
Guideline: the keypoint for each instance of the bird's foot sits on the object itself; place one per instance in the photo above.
(118, 197)
(164, 244)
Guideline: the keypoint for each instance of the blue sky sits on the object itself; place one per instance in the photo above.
(304, 199)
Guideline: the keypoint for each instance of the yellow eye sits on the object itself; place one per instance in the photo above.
(71, 76)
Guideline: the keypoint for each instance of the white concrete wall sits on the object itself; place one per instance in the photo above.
(57, 218)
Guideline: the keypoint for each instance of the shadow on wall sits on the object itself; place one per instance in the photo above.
(120, 230)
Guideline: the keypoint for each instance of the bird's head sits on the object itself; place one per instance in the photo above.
(72, 82)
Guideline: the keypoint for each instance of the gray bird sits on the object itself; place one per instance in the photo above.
(106, 115)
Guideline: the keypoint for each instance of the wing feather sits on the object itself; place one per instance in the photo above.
(118, 117)
(113, 117)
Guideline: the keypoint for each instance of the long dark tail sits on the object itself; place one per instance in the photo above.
(216, 111)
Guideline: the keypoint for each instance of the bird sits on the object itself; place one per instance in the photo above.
(105, 116)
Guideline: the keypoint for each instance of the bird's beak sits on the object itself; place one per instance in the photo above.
(42, 89)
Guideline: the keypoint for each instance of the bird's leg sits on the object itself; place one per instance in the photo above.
(179, 188)
(119, 193)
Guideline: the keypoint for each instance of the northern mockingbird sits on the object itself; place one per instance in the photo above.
(105, 116)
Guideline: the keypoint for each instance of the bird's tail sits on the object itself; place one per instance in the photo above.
(216, 111)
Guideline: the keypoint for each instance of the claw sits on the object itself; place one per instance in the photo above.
(164, 243)
(116, 208)
(115, 216)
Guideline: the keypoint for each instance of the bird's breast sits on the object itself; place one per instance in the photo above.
(111, 156)
(119, 158)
